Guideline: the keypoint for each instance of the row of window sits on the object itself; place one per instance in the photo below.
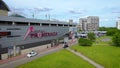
(34, 24)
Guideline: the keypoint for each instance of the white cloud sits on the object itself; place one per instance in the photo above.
(43, 9)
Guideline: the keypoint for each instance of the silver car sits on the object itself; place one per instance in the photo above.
(31, 54)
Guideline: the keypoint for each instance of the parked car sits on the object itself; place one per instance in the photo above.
(31, 54)
(65, 45)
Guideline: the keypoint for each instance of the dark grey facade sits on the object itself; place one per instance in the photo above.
(13, 31)
(17, 36)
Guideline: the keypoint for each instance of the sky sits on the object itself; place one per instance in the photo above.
(108, 11)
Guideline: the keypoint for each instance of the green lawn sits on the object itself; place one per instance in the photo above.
(102, 52)
(60, 59)
(105, 40)
(108, 56)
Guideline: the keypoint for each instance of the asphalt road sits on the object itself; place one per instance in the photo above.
(24, 60)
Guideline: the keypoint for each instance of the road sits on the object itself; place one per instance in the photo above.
(24, 60)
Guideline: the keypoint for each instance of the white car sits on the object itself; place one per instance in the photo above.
(31, 54)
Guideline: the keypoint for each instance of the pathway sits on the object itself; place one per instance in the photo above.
(85, 58)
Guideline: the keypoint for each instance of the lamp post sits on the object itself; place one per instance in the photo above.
(0, 51)
(14, 45)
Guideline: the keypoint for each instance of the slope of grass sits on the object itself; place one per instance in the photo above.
(105, 40)
(108, 56)
(60, 59)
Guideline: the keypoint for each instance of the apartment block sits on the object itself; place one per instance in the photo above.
(118, 25)
(90, 23)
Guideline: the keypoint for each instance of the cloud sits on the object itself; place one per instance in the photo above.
(43, 9)
(116, 12)
(115, 9)
(20, 13)
(104, 19)
(108, 20)
(17, 9)
(75, 12)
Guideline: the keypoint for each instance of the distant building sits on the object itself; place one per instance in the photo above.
(93, 23)
(3, 9)
(79, 26)
(70, 20)
(90, 23)
(118, 25)
(83, 22)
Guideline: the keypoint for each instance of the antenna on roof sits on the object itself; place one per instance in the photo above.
(33, 15)
(47, 16)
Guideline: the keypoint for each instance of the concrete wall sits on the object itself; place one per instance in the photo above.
(26, 51)
(36, 49)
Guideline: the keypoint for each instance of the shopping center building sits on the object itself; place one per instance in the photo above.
(17, 35)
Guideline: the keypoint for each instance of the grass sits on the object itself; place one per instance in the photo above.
(108, 56)
(60, 59)
(105, 40)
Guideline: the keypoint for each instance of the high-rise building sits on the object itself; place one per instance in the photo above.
(118, 24)
(90, 23)
(83, 23)
(93, 23)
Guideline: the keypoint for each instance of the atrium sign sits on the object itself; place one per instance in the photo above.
(38, 33)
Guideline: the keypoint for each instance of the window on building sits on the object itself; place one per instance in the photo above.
(60, 24)
(5, 23)
(45, 24)
(21, 23)
(35, 24)
(53, 24)
(13, 28)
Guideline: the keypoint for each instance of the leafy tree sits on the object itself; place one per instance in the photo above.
(102, 29)
(106, 28)
(17, 15)
(91, 36)
(85, 42)
(116, 38)
(111, 32)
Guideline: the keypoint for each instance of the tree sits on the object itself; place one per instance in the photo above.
(91, 36)
(17, 15)
(111, 32)
(85, 42)
(116, 38)
(106, 28)
(102, 28)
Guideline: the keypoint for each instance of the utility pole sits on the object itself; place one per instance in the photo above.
(0, 51)
(49, 16)
(46, 16)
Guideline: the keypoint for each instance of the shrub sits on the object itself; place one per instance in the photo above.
(111, 32)
(91, 36)
(85, 42)
(116, 39)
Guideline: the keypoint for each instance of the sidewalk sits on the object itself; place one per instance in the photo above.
(72, 42)
(24, 55)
